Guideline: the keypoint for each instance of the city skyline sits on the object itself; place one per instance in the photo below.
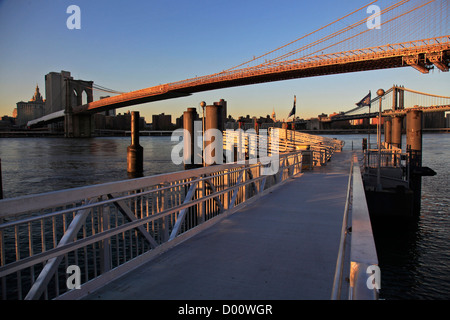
(148, 43)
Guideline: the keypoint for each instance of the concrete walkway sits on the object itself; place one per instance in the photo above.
(283, 246)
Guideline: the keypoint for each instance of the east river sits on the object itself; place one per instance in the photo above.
(414, 255)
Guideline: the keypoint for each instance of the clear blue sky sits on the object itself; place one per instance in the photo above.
(130, 45)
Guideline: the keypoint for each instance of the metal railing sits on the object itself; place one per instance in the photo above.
(363, 251)
(390, 157)
(346, 229)
(106, 230)
(356, 224)
(321, 148)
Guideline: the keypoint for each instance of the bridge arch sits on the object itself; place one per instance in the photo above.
(84, 99)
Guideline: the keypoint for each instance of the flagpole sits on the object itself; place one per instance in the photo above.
(295, 110)
(368, 132)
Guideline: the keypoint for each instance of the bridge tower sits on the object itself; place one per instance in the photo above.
(396, 126)
(79, 125)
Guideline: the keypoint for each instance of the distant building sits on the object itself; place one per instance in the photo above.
(116, 122)
(55, 91)
(7, 122)
(434, 119)
(30, 110)
(162, 122)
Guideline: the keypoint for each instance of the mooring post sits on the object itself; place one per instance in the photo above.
(189, 142)
(213, 121)
(396, 131)
(414, 148)
(135, 152)
(414, 135)
(388, 131)
(188, 137)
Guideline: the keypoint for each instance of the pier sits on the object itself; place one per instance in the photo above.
(283, 246)
(225, 231)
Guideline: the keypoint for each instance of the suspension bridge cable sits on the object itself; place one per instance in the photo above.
(284, 46)
(422, 93)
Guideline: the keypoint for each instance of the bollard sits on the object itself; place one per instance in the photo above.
(213, 120)
(388, 131)
(396, 131)
(135, 153)
(414, 148)
(189, 149)
(414, 136)
(284, 127)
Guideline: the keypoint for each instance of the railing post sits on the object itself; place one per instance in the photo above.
(202, 205)
(226, 184)
(105, 252)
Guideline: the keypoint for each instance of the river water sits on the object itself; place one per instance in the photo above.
(414, 255)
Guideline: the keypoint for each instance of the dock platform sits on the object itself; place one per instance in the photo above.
(283, 246)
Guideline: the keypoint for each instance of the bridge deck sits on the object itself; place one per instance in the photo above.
(284, 246)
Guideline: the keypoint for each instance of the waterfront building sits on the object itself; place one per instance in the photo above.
(30, 110)
(162, 121)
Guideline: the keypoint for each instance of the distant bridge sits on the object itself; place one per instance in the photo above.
(396, 101)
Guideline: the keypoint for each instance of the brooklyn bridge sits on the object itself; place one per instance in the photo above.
(406, 33)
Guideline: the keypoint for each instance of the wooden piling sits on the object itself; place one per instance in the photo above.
(189, 149)
(388, 130)
(396, 131)
(135, 152)
(213, 120)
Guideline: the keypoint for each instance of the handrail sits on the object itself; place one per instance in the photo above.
(363, 256)
(337, 283)
(119, 222)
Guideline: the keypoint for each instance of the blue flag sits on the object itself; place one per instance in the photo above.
(293, 109)
(365, 102)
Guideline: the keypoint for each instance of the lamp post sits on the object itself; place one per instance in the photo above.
(203, 105)
(380, 93)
